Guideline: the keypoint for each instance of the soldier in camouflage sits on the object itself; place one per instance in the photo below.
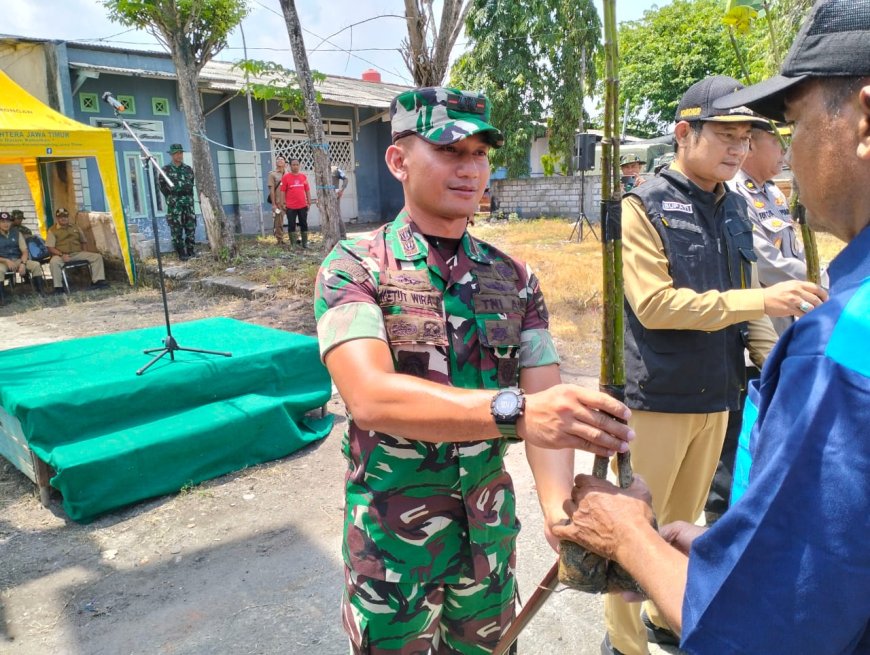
(438, 344)
(179, 201)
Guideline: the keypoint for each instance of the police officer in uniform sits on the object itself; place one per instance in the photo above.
(689, 312)
(774, 231)
(438, 344)
(179, 201)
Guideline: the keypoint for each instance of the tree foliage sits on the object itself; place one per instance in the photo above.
(203, 24)
(427, 49)
(274, 82)
(527, 57)
(193, 31)
(672, 47)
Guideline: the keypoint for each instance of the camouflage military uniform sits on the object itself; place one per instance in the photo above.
(179, 209)
(420, 515)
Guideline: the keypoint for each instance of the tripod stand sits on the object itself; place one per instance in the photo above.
(582, 218)
(170, 345)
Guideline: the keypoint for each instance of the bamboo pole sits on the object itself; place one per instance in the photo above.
(579, 568)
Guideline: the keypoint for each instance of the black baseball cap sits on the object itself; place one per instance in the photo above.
(5, 216)
(833, 42)
(697, 102)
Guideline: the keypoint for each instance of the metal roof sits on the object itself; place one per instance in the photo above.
(224, 77)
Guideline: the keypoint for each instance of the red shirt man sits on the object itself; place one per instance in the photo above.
(297, 199)
(294, 185)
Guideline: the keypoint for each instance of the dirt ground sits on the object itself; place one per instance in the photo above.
(245, 563)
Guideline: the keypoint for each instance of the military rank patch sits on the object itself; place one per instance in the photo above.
(351, 268)
(502, 332)
(410, 247)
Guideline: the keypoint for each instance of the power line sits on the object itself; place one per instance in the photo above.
(371, 63)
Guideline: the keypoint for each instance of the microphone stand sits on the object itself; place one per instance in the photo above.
(170, 345)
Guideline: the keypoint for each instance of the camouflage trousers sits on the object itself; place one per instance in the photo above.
(182, 227)
(390, 618)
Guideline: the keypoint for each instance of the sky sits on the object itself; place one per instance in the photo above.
(343, 37)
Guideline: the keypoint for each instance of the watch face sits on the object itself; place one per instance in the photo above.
(506, 403)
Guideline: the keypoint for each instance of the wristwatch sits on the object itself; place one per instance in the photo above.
(507, 406)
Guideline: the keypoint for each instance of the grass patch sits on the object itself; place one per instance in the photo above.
(570, 276)
(289, 271)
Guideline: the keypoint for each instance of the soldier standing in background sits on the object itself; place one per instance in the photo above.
(179, 201)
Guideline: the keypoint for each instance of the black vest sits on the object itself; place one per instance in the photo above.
(9, 248)
(708, 243)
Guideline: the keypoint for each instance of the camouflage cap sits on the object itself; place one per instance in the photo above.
(630, 159)
(176, 147)
(17, 213)
(61, 211)
(442, 115)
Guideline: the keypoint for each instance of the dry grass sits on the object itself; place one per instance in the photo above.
(570, 275)
(829, 247)
(262, 260)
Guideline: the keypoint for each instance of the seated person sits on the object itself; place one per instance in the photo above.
(14, 257)
(66, 243)
(18, 223)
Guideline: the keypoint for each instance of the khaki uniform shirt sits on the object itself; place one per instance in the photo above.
(650, 291)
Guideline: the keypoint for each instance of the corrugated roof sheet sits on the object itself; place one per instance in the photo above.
(224, 77)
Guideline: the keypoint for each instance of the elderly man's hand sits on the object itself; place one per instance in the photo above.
(603, 514)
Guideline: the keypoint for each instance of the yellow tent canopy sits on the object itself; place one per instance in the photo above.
(31, 132)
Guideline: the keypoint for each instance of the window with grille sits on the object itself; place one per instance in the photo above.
(129, 103)
(89, 102)
(290, 140)
(160, 106)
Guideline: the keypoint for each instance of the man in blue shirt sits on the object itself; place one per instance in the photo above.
(787, 568)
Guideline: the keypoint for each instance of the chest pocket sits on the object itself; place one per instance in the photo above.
(414, 322)
(686, 248)
(499, 312)
(741, 251)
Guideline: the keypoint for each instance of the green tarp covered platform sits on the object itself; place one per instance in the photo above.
(113, 437)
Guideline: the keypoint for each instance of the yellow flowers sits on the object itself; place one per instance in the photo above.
(739, 14)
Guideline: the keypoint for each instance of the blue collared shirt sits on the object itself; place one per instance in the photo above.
(787, 568)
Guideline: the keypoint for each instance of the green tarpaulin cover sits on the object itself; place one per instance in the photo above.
(114, 437)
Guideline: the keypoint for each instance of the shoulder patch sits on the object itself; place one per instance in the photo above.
(355, 270)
